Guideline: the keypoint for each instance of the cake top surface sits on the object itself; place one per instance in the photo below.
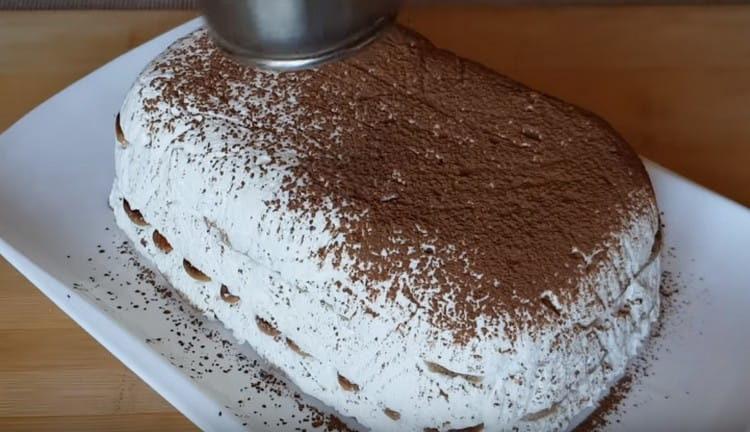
(456, 188)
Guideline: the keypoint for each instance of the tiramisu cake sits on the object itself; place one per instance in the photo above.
(413, 239)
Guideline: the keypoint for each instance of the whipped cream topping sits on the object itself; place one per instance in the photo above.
(221, 170)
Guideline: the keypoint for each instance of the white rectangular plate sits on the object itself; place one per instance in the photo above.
(56, 168)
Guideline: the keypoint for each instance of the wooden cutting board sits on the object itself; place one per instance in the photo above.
(673, 81)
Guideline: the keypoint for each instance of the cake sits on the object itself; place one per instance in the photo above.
(410, 237)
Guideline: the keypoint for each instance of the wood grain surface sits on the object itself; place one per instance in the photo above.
(673, 80)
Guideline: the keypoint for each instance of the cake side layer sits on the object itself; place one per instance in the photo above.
(524, 388)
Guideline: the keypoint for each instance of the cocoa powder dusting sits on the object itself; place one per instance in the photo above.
(454, 187)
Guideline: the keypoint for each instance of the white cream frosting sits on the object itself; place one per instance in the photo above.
(537, 380)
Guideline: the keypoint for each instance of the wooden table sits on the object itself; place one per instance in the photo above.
(674, 81)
